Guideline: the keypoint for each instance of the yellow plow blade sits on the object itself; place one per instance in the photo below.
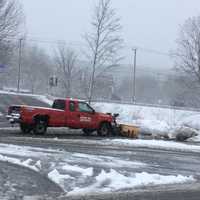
(129, 131)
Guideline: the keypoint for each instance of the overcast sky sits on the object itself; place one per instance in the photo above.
(151, 24)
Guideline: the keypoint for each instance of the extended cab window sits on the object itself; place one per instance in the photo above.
(84, 107)
(59, 104)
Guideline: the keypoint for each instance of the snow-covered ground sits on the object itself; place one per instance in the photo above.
(156, 144)
(154, 120)
(76, 172)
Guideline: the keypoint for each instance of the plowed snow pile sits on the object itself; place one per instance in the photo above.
(157, 121)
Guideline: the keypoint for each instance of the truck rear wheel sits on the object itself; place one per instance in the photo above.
(87, 131)
(104, 129)
(40, 127)
(25, 128)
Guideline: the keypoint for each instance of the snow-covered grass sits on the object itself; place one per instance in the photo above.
(154, 120)
(44, 98)
(13, 89)
(15, 93)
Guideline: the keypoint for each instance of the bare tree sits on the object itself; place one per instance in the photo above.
(187, 57)
(11, 17)
(188, 52)
(104, 41)
(37, 69)
(66, 61)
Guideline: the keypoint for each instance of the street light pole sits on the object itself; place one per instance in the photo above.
(19, 64)
(134, 74)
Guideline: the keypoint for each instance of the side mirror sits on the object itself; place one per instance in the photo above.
(93, 112)
(116, 115)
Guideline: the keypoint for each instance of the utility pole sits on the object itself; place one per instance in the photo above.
(134, 74)
(19, 64)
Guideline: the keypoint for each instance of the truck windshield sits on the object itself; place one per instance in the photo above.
(59, 104)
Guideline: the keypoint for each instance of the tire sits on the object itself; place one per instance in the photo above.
(87, 132)
(104, 130)
(181, 138)
(40, 127)
(25, 128)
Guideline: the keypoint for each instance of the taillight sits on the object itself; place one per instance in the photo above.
(14, 109)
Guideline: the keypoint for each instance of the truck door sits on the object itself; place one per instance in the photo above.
(86, 115)
(73, 116)
(58, 117)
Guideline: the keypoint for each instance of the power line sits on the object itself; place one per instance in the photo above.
(48, 41)
(79, 44)
(153, 51)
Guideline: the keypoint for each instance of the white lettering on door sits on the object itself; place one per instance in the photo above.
(85, 119)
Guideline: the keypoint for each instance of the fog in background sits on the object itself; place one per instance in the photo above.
(150, 26)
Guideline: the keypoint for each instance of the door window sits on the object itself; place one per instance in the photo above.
(84, 107)
(72, 106)
(59, 104)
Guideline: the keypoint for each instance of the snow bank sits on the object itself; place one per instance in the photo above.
(192, 121)
(56, 177)
(153, 120)
(60, 179)
(26, 163)
(14, 90)
(113, 181)
(75, 168)
(46, 99)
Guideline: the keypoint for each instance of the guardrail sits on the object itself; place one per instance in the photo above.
(147, 105)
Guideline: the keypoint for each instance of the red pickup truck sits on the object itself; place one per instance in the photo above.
(71, 113)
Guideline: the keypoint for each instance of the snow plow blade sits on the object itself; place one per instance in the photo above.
(129, 131)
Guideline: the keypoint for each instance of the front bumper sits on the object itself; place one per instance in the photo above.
(116, 130)
(13, 118)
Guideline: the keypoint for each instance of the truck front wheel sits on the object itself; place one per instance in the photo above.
(40, 127)
(104, 129)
